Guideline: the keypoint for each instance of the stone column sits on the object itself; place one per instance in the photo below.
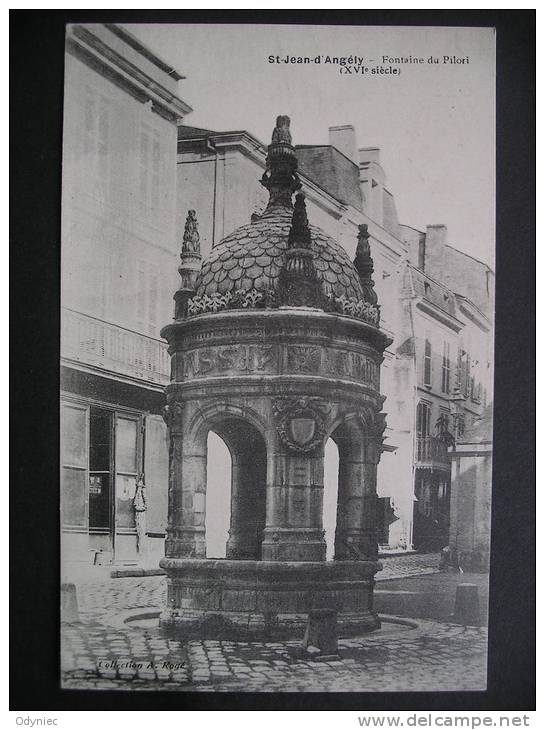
(355, 536)
(294, 509)
(247, 507)
(186, 490)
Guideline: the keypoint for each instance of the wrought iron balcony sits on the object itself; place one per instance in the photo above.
(432, 453)
(92, 341)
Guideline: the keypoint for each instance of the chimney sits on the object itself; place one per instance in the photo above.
(436, 238)
(372, 179)
(368, 155)
(344, 139)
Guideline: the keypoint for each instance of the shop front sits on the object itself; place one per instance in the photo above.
(114, 463)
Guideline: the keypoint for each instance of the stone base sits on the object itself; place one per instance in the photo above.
(263, 599)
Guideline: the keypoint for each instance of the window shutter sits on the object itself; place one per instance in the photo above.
(156, 474)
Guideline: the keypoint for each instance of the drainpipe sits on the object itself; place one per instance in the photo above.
(415, 403)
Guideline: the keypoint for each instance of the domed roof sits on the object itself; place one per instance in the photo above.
(278, 259)
(253, 255)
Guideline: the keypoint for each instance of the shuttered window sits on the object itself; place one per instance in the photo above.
(427, 362)
(423, 419)
(445, 369)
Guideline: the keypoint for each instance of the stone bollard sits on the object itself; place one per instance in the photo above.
(321, 634)
(69, 603)
(466, 607)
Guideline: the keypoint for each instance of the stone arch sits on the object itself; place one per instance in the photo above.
(244, 435)
(355, 533)
(205, 418)
(365, 416)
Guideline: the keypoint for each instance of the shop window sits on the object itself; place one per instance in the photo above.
(100, 474)
(126, 469)
(101, 461)
(74, 466)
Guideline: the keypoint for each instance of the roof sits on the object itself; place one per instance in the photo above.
(132, 41)
(252, 256)
(432, 291)
(457, 251)
(186, 132)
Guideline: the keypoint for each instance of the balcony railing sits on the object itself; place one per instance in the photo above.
(107, 346)
(431, 452)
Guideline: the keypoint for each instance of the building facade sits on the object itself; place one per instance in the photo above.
(453, 348)
(119, 253)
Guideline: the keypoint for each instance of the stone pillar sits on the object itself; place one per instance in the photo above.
(247, 507)
(355, 536)
(186, 490)
(294, 509)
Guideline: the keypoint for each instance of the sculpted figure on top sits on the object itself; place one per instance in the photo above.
(190, 243)
(281, 133)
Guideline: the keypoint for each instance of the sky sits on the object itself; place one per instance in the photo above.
(433, 122)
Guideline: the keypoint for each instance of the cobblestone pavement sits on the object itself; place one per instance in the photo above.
(102, 651)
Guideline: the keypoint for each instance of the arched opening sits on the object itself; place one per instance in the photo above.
(331, 490)
(236, 490)
(355, 529)
(218, 496)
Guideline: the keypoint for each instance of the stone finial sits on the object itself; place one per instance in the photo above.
(190, 265)
(363, 263)
(280, 177)
(298, 284)
(190, 243)
(299, 235)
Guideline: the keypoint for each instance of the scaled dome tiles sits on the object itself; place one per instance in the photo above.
(251, 258)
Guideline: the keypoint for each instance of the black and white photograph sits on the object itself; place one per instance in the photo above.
(276, 357)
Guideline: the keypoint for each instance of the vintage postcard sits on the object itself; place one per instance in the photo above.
(277, 357)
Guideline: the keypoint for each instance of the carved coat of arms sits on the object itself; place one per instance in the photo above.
(300, 423)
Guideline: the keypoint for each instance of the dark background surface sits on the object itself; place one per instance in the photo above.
(36, 68)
